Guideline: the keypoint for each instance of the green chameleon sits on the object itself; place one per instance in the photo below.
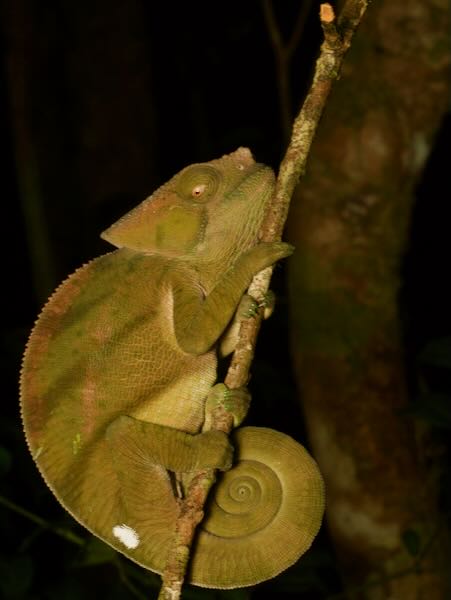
(119, 376)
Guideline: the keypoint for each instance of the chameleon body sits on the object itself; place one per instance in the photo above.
(119, 375)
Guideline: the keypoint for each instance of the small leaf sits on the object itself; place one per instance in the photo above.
(411, 541)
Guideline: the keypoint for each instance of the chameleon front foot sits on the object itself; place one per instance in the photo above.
(236, 402)
(249, 306)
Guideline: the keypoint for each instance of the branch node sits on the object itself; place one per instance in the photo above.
(326, 13)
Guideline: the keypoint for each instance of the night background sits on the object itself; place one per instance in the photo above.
(102, 102)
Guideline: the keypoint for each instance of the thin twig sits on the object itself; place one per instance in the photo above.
(67, 534)
(337, 39)
(21, 44)
(283, 52)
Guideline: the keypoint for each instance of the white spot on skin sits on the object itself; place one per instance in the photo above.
(126, 535)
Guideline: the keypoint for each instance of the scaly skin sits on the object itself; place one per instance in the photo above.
(122, 360)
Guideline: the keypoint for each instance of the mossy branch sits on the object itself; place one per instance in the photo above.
(337, 39)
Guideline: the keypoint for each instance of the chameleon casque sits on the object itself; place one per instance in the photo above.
(119, 376)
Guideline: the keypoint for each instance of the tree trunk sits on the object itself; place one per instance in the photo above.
(350, 224)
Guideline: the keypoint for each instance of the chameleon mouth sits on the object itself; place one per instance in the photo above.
(255, 182)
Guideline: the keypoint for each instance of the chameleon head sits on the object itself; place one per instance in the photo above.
(196, 209)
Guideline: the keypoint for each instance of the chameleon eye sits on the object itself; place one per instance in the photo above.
(198, 190)
(198, 183)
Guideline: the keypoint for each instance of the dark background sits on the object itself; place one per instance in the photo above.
(116, 100)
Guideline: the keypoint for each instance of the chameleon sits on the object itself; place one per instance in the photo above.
(119, 381)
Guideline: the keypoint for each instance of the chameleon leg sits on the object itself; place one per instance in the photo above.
(235, 402)
(169, 448)
(247, 309)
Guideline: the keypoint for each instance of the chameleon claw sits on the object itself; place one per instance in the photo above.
(234, 401)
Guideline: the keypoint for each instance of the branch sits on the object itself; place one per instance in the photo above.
(283, 51)
(337, 39)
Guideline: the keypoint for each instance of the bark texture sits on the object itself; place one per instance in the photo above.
(350, 223)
